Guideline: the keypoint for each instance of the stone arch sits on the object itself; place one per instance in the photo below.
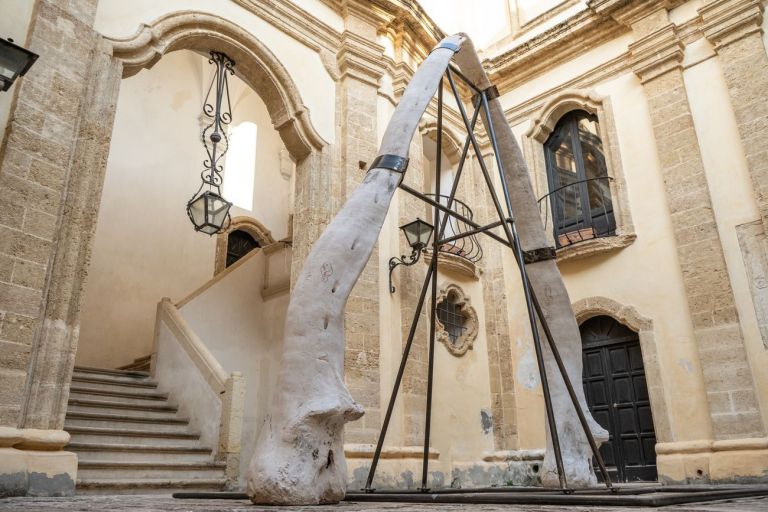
(253, 227)
(590, 307)
(256, 65)
(550, 113)
(452, 143)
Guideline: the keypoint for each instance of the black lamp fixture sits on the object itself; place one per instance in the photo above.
(15, 61)
(208, 210)
(417, 233)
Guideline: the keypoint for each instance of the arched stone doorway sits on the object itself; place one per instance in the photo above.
(617, 394)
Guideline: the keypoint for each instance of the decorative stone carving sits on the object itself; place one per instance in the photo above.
(459, 346)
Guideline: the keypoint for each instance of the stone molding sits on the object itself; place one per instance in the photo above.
(543, 123)
(455, 263)
(360, 59)
(726, 21)
(590, 307)
(452, 144)
(366, 451)
(33, 439)
(257, 66)
(467, 339)
(657, 53)
(253, 227)
(513, 455)
(594, 246)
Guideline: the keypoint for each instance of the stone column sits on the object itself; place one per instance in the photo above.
(734, 27)
(656, 58)
(35, 169)
(49, 157)
(360, 71)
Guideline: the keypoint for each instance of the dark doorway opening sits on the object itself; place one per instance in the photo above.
(239, 243)
(617, 395)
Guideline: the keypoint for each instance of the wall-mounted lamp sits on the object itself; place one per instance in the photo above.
(15, 61)
(417, 233)
(208, 210)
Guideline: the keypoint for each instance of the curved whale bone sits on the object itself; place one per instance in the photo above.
(299, 455)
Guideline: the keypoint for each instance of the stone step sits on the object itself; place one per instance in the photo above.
(114, 383)
(140, 396)
(147, 485)
(92, 452)
(132, 436)
(97, 418)
(103, 470)
(149, 410)
(111, 372)
(141, 364)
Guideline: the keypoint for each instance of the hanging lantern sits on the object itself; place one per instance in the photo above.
(208, 210)
(15, 61)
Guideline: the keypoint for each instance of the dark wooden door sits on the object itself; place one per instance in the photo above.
(617, 394)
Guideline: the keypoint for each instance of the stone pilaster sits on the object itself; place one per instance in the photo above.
(360, 68)
(36, 163)
(734, 27)
(656, 58)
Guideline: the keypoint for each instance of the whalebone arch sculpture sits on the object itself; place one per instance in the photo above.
(299, 456)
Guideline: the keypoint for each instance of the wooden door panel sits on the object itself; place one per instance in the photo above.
(617, 395)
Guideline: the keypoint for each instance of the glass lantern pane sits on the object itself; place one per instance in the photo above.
(209, 229)
(12, 60)
(197, 210)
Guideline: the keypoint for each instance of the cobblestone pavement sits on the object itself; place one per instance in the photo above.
(165, 503)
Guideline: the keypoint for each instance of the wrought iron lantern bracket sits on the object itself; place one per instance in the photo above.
(207, 209)
(406, 260)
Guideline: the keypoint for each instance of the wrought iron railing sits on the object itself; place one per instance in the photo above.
(467, 247)
(579, 211)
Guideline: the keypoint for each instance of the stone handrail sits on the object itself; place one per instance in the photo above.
(208, 366)
(226, 390)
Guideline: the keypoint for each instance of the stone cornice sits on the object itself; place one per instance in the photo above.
(727, 21)
(296, 22)
(561, 43)
(657, 53)
(361, 59)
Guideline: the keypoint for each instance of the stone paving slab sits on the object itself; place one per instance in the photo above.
(165, 503)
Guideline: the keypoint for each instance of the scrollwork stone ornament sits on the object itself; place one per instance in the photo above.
(459, 346)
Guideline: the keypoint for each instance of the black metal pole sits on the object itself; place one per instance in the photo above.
(398, 381)
(572, 393)
(472, 232)
(511, 233)
(450, 213)
(512, 230)
(433, 309)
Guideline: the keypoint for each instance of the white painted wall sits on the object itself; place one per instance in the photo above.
(145, 247)
(244, 336)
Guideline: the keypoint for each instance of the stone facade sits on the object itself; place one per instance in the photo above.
(685, 269)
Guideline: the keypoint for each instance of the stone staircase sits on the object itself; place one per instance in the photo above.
(129, 438)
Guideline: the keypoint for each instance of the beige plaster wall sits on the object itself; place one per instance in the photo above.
(244, 336)
(145, 247)
(14, 23)
(119, 19)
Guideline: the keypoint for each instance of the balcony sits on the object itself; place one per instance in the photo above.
(579, 212)
(459, 255)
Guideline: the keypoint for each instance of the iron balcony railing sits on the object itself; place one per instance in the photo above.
(579, 211)
(467, 247)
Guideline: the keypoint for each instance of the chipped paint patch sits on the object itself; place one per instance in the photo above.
(486, 421)
(527, 370)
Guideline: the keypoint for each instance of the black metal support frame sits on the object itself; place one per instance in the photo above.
(509, 239)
